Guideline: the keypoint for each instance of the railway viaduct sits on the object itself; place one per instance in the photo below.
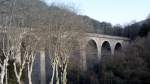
(98, 46)
(93, 47)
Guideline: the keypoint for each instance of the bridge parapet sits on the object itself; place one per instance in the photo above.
(108, 36)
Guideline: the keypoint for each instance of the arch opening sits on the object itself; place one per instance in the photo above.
(118, 48)
(91, 55)
(105, 49)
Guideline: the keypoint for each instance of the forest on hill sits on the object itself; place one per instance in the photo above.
(131, 30)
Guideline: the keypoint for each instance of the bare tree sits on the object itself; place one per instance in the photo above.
(56, 28)
(30, 46)
(5, 55)
(6, 47)
(66, 27)
(18, 57)
(11, 50)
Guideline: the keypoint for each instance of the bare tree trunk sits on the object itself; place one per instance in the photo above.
(29, 74)
(6, 64)
(57, 73)
(16, 73)
(64, 75)
(2, 74)
(6, 81)
(53, 73)
(30, 68)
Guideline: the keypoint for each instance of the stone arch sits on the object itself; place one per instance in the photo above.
(106, 49)
(118, 47)
(91, 54)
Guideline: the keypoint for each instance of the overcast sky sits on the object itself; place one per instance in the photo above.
(113, 11)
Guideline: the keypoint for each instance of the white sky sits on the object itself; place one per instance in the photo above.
(113, 11)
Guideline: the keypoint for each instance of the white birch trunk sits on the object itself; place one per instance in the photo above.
(16, 73)
(53, 73)
(2, 74)
(4, 71)
(6, 64)
(57, 77)
(6, 81)
(30, 69)
(64, 75)
(29, 75)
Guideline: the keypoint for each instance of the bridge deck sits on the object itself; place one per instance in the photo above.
(107, 36)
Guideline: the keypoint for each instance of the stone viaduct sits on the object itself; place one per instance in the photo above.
(99, 45)
(91, 45)
(92, 49)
